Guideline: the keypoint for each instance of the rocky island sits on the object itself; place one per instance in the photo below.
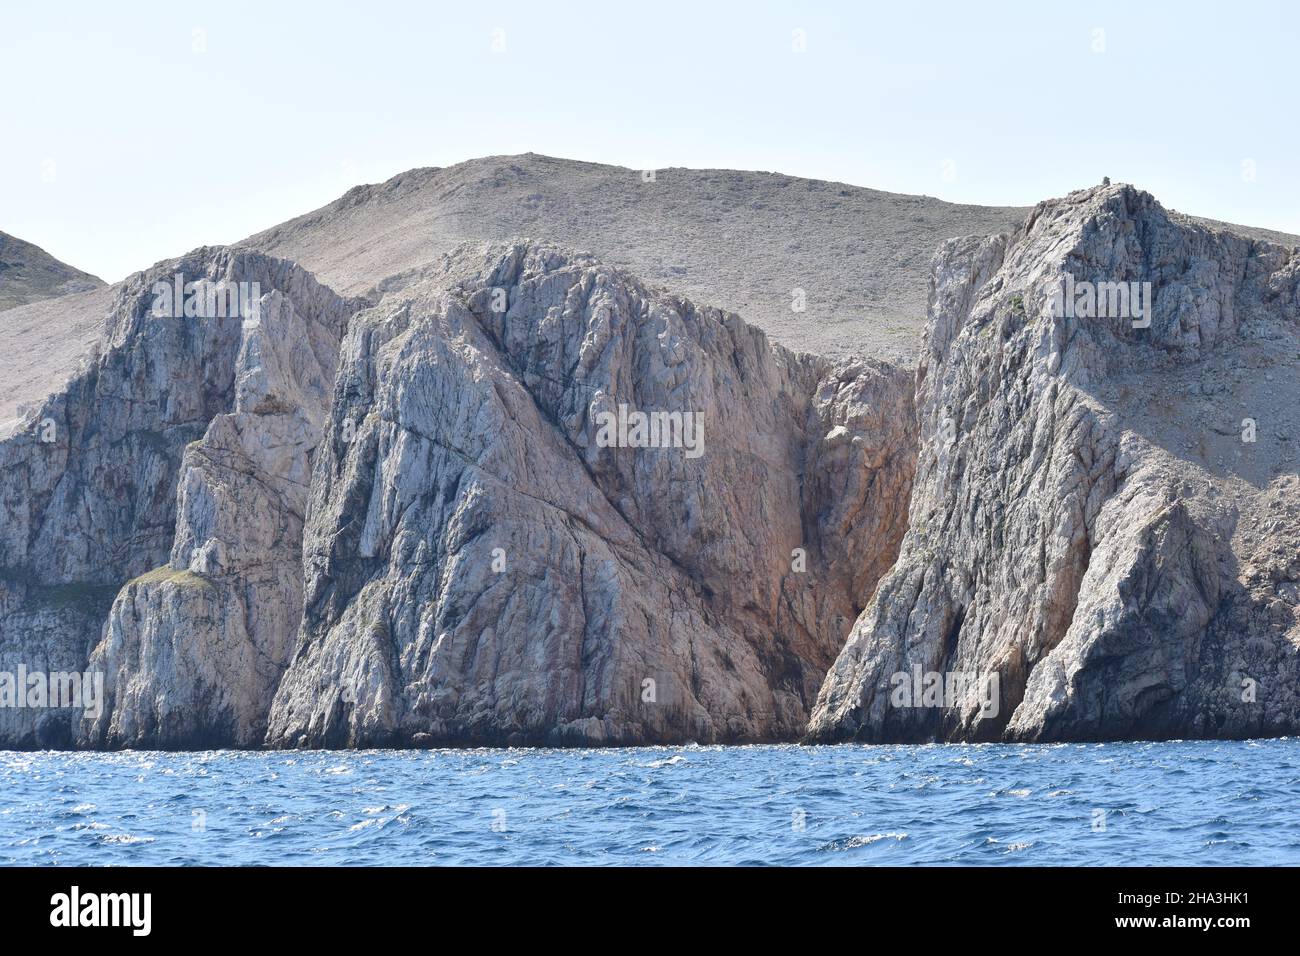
(371, 506)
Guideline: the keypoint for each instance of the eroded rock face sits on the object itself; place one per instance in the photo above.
(87, 488)
(88, 492)
(348, 524)
(480, 570)
(505, 577)
(1076, 528)
(194, 651)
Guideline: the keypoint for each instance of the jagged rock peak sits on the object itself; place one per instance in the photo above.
(1081, 561)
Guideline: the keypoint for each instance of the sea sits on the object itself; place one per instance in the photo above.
(1124, 804)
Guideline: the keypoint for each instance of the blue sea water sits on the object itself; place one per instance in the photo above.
(1192, 803)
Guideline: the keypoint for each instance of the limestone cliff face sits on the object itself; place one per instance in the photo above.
(1088, 520)
(195, 650)
(477, 566)
(88, 496)
(479, 569)
(439, 518)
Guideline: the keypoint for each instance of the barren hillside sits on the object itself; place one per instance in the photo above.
(30, 274)
(744, 241)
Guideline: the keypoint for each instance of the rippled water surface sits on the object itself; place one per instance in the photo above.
(1125, 804)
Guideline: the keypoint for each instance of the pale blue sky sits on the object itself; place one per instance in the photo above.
(123, 144)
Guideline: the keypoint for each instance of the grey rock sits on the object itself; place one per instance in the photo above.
(480, 570)
(387, 521)
(1063, 542)
(88, 500)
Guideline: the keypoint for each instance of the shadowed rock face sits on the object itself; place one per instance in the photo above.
(1072, 530)
(88, 500)
(87, 490)
(195, 650)
(480, 570)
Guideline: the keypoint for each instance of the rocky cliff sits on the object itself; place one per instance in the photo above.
(420, 538)
(516, 495)
(481, 568)
(89, 490)
(1104, 535)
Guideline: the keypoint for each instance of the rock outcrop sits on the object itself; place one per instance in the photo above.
(88, 496)
(518, 496)
(478, 568)
(481, 569)
(1104, 537)
(194, 650)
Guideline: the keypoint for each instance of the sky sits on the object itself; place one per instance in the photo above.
(135, 132)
